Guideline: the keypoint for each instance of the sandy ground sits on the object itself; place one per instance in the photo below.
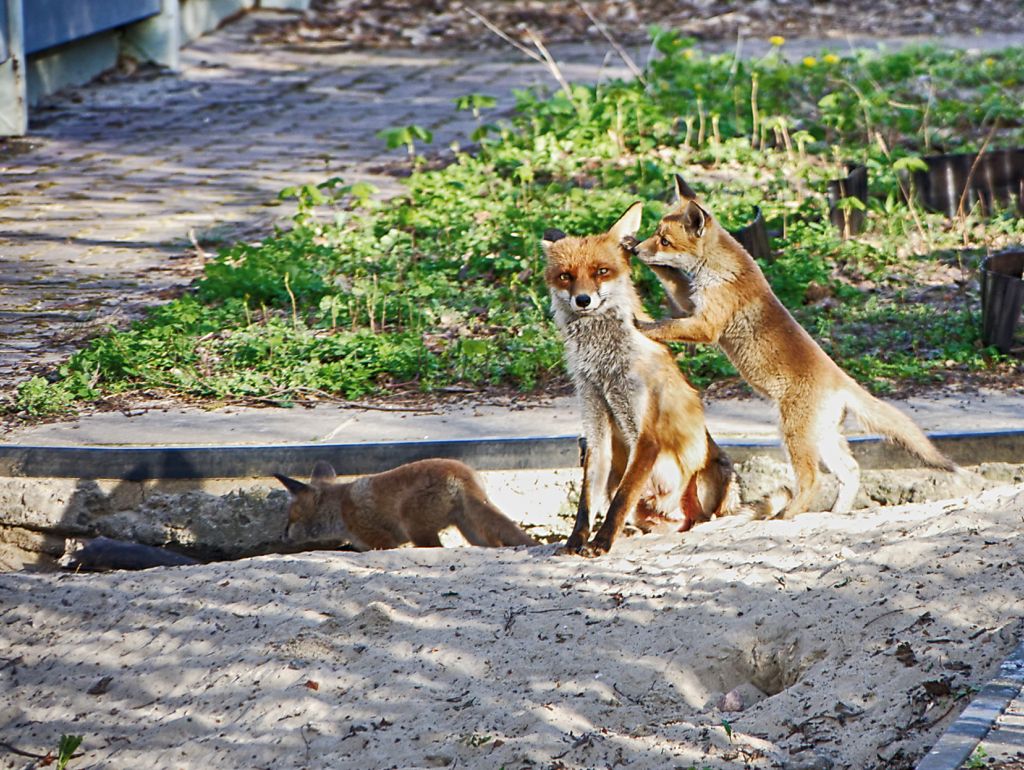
(845, 641)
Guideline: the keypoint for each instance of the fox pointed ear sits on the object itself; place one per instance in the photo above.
(551, 235)
(323, 473)
(683, 190)
(695, 218)
(294, 486)
(628, 224)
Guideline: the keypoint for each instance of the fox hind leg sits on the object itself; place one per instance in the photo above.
(481, 523)
(428, 540)
(805, 459)
(384, 538)
(691, 505)
(835, 453)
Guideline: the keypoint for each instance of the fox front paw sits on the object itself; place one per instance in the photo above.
(573, 546)
(597, 547)
(650, 329)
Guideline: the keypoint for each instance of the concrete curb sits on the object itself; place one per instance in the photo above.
(210, 462)
(958, 742)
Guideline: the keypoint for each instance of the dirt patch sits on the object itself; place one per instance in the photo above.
(831, 641)
(436, 24)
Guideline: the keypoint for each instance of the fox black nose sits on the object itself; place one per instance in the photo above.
(582, 300)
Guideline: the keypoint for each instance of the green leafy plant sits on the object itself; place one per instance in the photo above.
(66, 748)
(475, 103)
(406, 136)
(977, 758)
(37, 397)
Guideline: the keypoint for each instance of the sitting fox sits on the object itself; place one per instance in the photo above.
(646, 444)
(733, 305)
(409, 504)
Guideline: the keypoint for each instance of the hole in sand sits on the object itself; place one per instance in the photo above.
(744, 675)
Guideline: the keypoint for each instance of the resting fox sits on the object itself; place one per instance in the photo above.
(734, 306)
(408, 504)
(646, 444)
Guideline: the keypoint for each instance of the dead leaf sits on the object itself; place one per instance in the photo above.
(937, 688)
(101, 686)
(905, 654)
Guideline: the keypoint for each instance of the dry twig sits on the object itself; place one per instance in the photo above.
(552, 66)
(203, 253)
(626, 58)
(961, 210)
(501, 33)
(544, 57)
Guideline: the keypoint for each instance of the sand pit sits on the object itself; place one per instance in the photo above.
(845, 641)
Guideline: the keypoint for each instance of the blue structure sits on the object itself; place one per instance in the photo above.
(50, 23)
(46, 45)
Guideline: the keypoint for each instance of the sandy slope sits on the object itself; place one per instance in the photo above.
(863, 630)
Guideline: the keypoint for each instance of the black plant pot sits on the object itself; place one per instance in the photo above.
(1002, 296)
(850, 221)
(754, 237)
(998, 178)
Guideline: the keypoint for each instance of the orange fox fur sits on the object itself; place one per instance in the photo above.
(733, 306)
(409, 504)
(646, 444)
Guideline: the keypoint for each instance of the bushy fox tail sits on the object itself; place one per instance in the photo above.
(481, 523)
(715, 485)
(879, 417)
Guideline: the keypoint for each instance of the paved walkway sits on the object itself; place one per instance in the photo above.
(728, 419)
(97, 205)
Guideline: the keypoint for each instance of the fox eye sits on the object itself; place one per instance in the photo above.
(565, 277)
(664, 241)
(603, 271)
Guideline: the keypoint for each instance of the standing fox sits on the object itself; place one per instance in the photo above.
(646, 444)
(408, 504)
(734, 306)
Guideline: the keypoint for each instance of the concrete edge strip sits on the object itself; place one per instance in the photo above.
(959, 741)
(532, 453)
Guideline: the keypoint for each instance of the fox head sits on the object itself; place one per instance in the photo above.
(590, 275)
(313, 515)
(682, 234)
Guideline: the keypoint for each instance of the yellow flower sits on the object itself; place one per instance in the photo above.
(810, 61)
(777, 40)
(688, 54)
(830, 58)
(989, 62)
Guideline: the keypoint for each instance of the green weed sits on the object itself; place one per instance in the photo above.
(406, 136)
(38, 397)
(66, 748)
(977, 758)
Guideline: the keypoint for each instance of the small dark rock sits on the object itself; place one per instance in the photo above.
(101, 686)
